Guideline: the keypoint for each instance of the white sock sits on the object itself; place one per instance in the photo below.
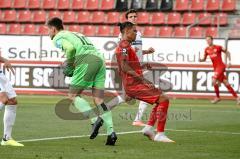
(161, 134)
(141, 109)
(115, 101)
(1, 105)
(9, 120)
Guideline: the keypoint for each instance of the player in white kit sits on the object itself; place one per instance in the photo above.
(131, 16)
(9, 101)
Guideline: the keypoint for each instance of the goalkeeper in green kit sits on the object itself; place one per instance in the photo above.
(86, 66)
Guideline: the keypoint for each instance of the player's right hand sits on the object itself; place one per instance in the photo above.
(9, 67)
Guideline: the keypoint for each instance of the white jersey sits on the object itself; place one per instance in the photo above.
(137, 45)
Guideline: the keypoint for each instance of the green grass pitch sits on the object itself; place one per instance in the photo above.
(201, 131)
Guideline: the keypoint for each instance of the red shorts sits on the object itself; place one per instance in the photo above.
(219, 74)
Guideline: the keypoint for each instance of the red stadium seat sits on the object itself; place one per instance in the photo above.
(213, 5)
(107, 5)
(3, 28)
(143, 18)
(122, 18)
(69, 17)
(165, 31)
(92, 4)
(205, 18)
(83, 17)
(157, 18)
(24, 16)
(14, 29)
(29, 29)
(112, 17)
(74, 28)
(103, 30)
(197, 5)
(52, 14)
(174, 18)
(5, 4)
(229, 5)
(181, 5)
(150, 31)
(34, 4)
(196, 32)
(49, 4)
(98, 17)
(42, 30)
(63, 4)
(39, 16)
(211, 31)
(77, 4)
(19, 4)
(188, 18)
(116, 31)
(89, 30)
(9, 16)
(221, 19)
(180, 32)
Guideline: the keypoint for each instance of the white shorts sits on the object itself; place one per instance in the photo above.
(6, 86)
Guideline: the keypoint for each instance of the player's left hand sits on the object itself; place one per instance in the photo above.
(9, 67)
(147, 66)
(150, 50)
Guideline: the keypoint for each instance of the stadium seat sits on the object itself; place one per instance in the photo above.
(166, 5)
(180, 32)
(150, 31)
(122, 18)
(39, 16)
(42, 30)
(9, 16)
(157, 18)
(69, 17)
(196, 32)
(3, 28)
(136, 4)
(34, 4)
(83, 17)
(205, 18)
(14, 29)
(49, 4)
(165, 31)
(115, 31)
(74, 28)
(92, 4)
(143, 18)
(174, 18)
(188, 18)
(213, 5)
(212, 31)
(107, 4)
(229, 5)
(197, 5)
(89, 30)
(5, 4)
(151, 5)
(29, 29)
(19, 4)
(181, 5)
(104, 30)
(77, 4)
(98, 17)
(55, 13)
(122, 5)
(221, 19)
(112, 18)
(63, 4)
(24, 16)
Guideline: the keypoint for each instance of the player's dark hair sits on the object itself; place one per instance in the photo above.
(130, 11)
(124, 25)
(56, 22)
(209, 36)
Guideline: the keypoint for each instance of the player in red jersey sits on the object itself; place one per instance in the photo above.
(215, 52)
(139, 88)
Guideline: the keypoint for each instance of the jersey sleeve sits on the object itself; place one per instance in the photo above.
(123, 50)
(67, 47)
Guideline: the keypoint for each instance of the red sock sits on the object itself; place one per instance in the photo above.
(216, 88)
(162, 109)
(230, 89)
(152, 119)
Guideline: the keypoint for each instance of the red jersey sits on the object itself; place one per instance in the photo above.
(124, 51)
(215, 53)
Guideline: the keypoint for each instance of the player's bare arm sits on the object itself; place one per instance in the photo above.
(149, 51)
(7, 64)
(203, 59)
(227, 57)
